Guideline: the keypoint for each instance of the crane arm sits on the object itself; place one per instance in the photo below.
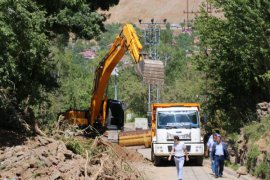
(126, 41)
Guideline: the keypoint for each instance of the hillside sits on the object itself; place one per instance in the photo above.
(172, 10)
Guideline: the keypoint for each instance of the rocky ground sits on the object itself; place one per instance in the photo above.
(47, 158)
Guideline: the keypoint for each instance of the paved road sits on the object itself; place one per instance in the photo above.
(191, 171)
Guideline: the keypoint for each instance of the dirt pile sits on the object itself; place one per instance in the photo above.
(128, 155)
(46, 158)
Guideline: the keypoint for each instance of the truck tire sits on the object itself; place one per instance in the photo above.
(152, 154)
(155, 159)
(200, 160)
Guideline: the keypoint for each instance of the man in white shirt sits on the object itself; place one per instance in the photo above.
(210, 143)
(180, 151)
(219, 153)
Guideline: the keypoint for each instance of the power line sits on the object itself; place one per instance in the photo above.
(152, 36)
(188, 21)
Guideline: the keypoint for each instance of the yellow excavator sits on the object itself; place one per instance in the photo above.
(104, 113)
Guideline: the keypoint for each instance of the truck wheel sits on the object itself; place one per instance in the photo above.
(152, 154)
(155, 159)
(200, 160)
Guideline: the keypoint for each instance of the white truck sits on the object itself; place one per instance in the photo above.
(181, 119)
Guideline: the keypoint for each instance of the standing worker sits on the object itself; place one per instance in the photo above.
(210, 144)
(219, 153)
(179, 150)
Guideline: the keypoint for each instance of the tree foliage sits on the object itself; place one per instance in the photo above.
(27, 33)
(182, 81)
(238, 65)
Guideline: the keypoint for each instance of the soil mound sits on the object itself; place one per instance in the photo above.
(128, 155)
(47, 158)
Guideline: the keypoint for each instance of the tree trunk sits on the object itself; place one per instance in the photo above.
(37, 130)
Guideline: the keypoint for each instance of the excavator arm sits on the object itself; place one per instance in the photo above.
(126, 41)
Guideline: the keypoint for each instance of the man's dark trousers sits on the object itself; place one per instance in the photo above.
(219, 165)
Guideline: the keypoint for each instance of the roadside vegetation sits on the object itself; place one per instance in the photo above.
(29, 32)
(234, 56)
(234, 46)
(258, 153)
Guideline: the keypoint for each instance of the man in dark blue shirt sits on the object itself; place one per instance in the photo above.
(219, 154)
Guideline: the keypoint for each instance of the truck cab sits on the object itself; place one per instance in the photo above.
(181, 119)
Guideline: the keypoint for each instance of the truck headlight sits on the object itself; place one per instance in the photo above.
(198, 148)
(159, 148)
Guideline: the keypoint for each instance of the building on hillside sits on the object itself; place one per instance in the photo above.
(175, 26)
(88, 54)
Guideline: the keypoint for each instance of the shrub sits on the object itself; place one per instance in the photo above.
(262, 171)
(255, 130)
(74, 146)
(252, 155)
(233, 137)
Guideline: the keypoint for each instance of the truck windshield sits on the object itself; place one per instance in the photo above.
(178, 119)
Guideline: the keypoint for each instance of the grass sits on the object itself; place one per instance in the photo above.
(81, 145)
(262, 171)
(255, 130)
(234, 166)
(252, 155)
(75, 146)
(40, 163)
(35, 174)
(233, 139)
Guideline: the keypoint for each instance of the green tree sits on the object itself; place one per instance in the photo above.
(108, 37)
(27, 33)
(132, 91)
(182, 81)
(238, 65)
(76, 76)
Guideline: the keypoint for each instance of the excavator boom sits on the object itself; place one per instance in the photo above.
(126, 41)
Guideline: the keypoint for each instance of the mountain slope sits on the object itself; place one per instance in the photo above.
(172, 10)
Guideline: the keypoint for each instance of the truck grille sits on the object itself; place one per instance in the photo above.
(180, 139)
(188, 148)
(169, 148)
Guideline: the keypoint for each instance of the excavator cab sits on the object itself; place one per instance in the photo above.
(115, 115)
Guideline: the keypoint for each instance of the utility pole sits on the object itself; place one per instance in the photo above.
(152, 36)
(152, 39)
(187, 21)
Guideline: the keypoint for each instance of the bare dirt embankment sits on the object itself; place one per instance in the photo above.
(47, 158)
(173, 10)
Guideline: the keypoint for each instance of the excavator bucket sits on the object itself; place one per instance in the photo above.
(152, 71)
